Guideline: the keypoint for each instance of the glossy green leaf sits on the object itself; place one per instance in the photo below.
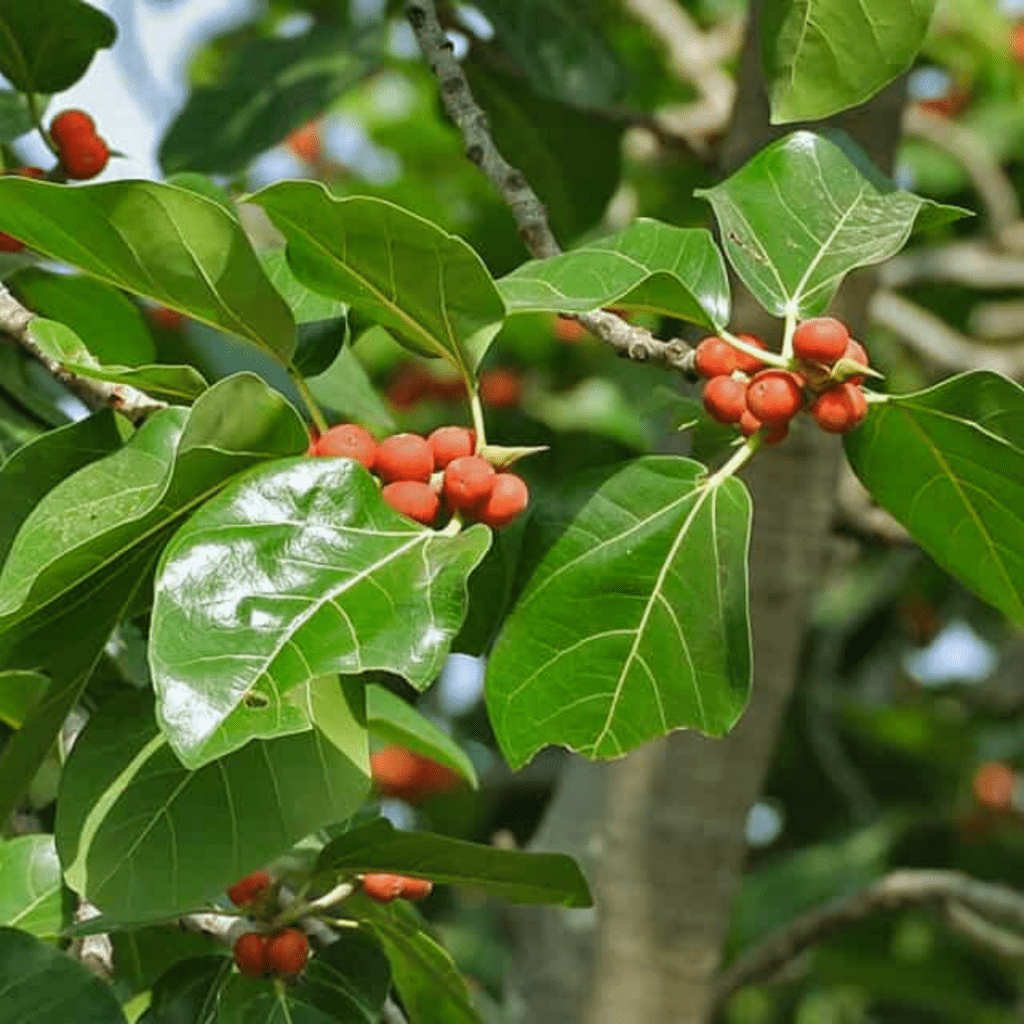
(558, 49)
(298, 570)
(345, 389)
(134, 825)
(30, 885)
(596, 405)
(204, 186)
(555, 145)
(170, 383)
(187, 992)
(31, 386)
(345, 983)
(432, 989)
(110, 325)
(39, 983)
(16, 429)
(948, 463)
(19, 693)
(46, 45)
(822, 56)
(428, 287)
(648, 266)
(270, 88)
(166, 243)
(36, 468)
(804, 212)
(177, 459)
(306, 306)
(15, 117)
(656, 554)
(395, 720)
(509, 874)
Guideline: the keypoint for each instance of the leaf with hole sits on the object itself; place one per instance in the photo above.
(948, 463)
(656, 555)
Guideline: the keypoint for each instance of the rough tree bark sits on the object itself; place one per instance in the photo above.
(661, 832)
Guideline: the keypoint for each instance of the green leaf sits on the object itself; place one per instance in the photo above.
(110, 325)
(657, 556)
(134, 825)
(177, 459)
(46, 46)
(432, 989)
(204, 186)
(558, 49)
(649, 266)
(187, 992)
(428, 287)
(344, 983)
(804, 212)
(306, 306)
(30, 885)
(15, 117)
(41, 984)
(37, 467)
(166, 243)
(823, 56)
(509, 874)
(181, 383)
(948, 463)
(271, 87)
(394, 720)
(596, 405)
(298, 570)
(19, 693)
(554, 145)
(345, 389)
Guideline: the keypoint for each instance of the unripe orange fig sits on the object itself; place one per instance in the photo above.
(8, 243)
(36, 173)
(404, 457)
(287, 952)
(349, 441)
(69, 125)
(775, 396)
(822, 339)
(508, 498)
(304, 142)
(468, 481)
(166, 319)
(450, 443)
(409, 776)
(840, 409)
(414, 499)
(83, 156)
(993, 785)
(502, 388)
(250, 954)
(856, 351)
(383, 888)
(714, 357)
(416, 889)
(569, 329)
(725, 399)
(245, 890)
(746, 363)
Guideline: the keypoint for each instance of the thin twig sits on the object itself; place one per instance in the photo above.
(975, 263)
(983, 900)
(15, 321)
(511, 184)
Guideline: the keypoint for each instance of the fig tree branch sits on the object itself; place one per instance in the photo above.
(988, 913)
(135, 404)
(511, 184)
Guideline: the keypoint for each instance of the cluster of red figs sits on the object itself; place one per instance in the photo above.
(420, 473)
(82, 154)
(741, 390)
(399, 772)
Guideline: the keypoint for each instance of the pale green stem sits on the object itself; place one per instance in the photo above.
(787, 339)
(478, 420)
(314, 410)
(771, 358)
(737, 460)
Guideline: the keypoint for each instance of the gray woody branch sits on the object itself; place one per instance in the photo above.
(135, 404)
(972, 907)
(510, 183)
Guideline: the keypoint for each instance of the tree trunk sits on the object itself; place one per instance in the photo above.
(661, 832)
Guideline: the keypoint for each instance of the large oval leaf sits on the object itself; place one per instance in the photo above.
(30, 885)
(46, 45)
(822, 56)
(427, 286)
(299, 570)
(948, 463)
(145, 838)
(41, 984)
(649, 266)
(168, 243)
(635, 621)
(800, 215)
